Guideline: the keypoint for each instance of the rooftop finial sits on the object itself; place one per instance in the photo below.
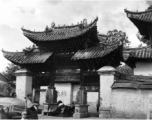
(150, 7)
(47, 28)
(97, 17)
(53, 25)
(85, 22)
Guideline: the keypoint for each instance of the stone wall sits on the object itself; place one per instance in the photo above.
(67, 92)
(143, 68)
(75, 90)
(131, 103)
(23, 86)
(64, 92)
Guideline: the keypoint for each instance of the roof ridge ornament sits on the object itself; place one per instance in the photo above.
(53, 25)
(46, 28)
(85, 22)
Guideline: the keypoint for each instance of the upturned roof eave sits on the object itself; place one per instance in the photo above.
(14, 58)
(142, 13)
(137, 12)
(62, 27)
(88, 27)
(139, 24)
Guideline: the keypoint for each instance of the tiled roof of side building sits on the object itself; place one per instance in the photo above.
(26, 58)
(60, 33)
(143, 16)
(142, 53)
(133, 82)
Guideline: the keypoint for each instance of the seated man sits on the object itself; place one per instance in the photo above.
(72, 109)
(60, 104)
(56, 109)
(31, 107)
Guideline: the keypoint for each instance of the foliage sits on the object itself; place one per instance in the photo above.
(142, 39)
(11, 68)
(116, 35)
(9, 72)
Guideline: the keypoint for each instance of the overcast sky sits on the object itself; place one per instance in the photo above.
(36, 14)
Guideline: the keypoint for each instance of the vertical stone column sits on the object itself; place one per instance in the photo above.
(81, 109)
(36, 94)
(23, 83)
(106, 80)
(51, 93)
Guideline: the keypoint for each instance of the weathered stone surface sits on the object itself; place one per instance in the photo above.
(81, 97)
(23, 83)
(51, 96)
(105, 114)
(81, 111)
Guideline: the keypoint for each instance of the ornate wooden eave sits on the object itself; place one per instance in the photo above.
(70, 38)
(142, 20)
(145, 16)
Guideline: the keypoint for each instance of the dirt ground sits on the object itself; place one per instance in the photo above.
(54, 117)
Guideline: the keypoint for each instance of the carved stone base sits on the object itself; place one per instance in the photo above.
(105, 113)
(81, 111)
(46, 107)
(149, 115)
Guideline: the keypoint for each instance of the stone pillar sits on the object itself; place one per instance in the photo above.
(36, 94)
(106, 80)
(51, 100)
(81, 108)
(51, 93)
(23, 83)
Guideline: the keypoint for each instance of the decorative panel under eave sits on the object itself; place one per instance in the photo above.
(67, 75)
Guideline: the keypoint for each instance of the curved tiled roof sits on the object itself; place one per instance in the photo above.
(141, 20)
(60, 33)
(95, 52)
(108, 44)
(144, 52)
(143, 16)
(26, 58)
